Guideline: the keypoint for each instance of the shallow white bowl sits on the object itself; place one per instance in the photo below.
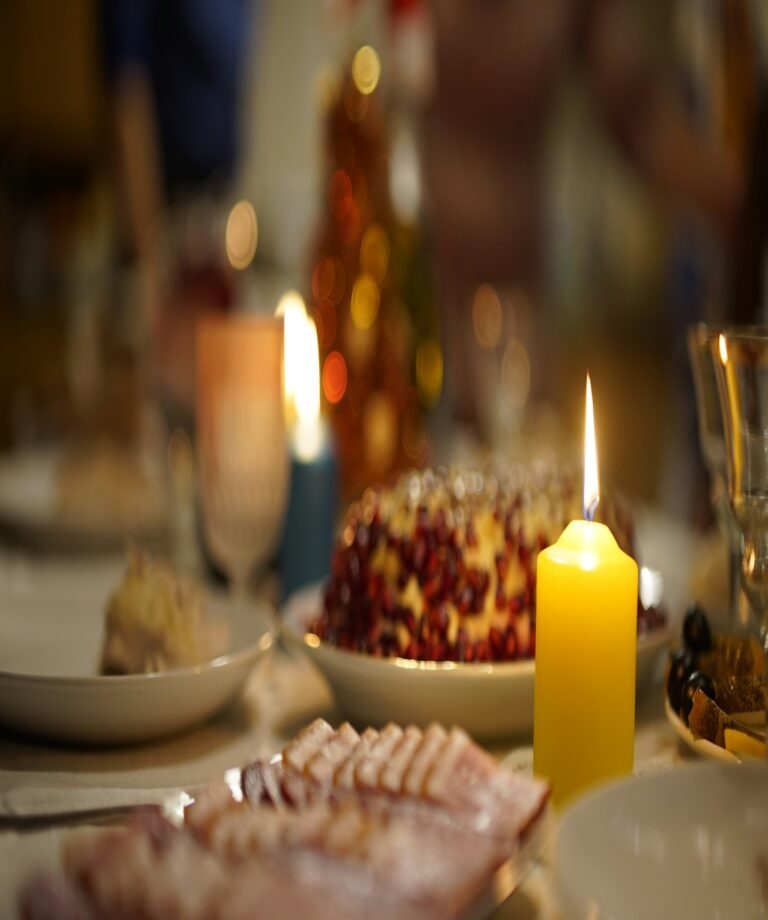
(690, 842)
(50, 642)
(490, 701)
(29, 508)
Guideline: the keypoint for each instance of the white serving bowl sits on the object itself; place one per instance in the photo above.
(50, 641)
(489, 700)
(689, 842)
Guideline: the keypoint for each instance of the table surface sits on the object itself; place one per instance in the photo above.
(282, 694)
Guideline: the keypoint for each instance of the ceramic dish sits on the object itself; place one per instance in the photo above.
(50, 641)
(700, 745)
(690, 842)
(490, 701)
(29, 508)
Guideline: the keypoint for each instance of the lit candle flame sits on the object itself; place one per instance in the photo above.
(301, 375)
(723, 348)
(591, 478)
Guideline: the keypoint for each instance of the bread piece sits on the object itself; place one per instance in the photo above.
(707, 720)
(740, 693)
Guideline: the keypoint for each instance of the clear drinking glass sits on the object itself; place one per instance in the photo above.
(241, 440)
(712, 442)
(741, 366)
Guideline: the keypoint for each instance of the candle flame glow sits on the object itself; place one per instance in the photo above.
(591, 476)
(723, 348)
(301, 374)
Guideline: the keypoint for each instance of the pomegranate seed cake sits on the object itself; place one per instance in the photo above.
(443, 565)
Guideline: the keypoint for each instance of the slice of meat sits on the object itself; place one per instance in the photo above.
(344, 777)
(307, 743)
(53, 894)
(322, 765)
(423, 761)
(368, 769)
(392, 772)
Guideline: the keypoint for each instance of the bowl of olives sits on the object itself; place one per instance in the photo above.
(715, 690)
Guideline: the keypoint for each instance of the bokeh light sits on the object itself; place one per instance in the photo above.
(366, 69)
(487, 316)
(364, 304)
(340, 198)
(429, 371)
(329, 280)
(374, 252)
(241, 234)
(334, 377)
(379, 432)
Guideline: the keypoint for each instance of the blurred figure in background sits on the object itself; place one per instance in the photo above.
(175, 69)
(499, 66)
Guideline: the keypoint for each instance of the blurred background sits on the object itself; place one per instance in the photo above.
(478, 200)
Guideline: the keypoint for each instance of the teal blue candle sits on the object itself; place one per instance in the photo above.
(310, 521)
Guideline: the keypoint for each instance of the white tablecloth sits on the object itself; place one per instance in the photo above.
(282, 695)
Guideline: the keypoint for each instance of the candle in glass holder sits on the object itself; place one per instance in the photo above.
(586, 650)
(310, 521)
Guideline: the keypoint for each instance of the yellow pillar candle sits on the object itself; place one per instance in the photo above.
(586, 642)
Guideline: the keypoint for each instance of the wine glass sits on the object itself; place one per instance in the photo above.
(241, 440)
(712, 442)
(741, 367)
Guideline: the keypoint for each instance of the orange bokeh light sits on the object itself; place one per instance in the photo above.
(334, 377)
(340, 193)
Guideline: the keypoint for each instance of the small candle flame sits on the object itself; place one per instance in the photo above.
(723, 348)
(591, 483)
(301, 375)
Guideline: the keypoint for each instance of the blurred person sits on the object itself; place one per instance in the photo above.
(498, 67)
(175, 73)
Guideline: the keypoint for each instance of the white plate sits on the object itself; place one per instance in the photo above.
(50, 642)
(22, 856)
(29, 507)
(490, 701)
(690, 842)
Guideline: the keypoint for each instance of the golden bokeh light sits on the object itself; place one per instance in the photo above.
(487, 316)
(366, 69)
(374, 252)
(429, 371)
(379, 432)
(241, 235)
(334, 377)
(364, 304)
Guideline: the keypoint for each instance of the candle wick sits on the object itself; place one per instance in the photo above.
(591, 509)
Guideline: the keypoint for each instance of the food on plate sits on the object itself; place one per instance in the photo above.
(710, 721)
(716, 684)
(156, 620)
(103, 484)
(393, 824)
(738, 742)
(442, 566)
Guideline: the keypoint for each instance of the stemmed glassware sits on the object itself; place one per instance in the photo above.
(741, 367)
(241, 440)
(712, 442)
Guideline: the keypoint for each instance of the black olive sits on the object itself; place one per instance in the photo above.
(682, 663)
(696, 632)
(697, 681)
